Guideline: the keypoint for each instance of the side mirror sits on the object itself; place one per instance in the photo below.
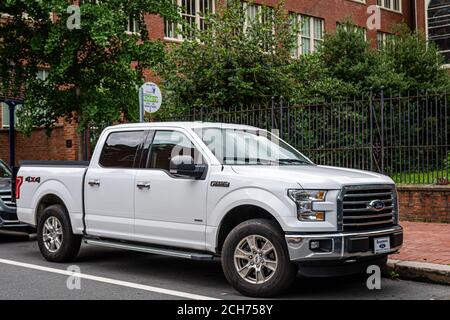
(185, 166)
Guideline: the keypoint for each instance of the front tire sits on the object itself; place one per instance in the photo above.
(255, 259)
(56, 240)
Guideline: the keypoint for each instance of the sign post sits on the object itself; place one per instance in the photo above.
(150, 99)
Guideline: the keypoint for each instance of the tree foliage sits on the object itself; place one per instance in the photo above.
(90, 69)
(228, 65)
(233, 62)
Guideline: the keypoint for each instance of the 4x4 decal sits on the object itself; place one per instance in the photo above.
(33, 179)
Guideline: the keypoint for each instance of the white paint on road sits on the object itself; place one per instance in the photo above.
(109, 281)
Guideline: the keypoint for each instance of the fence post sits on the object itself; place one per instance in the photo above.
(272, 113)
(382, 128)
(281, 117)
(371, 128)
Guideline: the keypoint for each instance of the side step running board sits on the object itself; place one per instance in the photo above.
(150, 249)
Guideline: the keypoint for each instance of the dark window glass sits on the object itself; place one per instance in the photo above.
(4, 170)
(121, 148)
(167, 144)
(439, 25)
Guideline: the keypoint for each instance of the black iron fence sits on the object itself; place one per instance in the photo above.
(403, 136)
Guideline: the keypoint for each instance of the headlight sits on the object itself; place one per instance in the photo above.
(304, 200)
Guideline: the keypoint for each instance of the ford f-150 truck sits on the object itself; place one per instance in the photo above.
(208, 190)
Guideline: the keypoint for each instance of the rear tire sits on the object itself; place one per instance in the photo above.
(258, 249)
(56, 240)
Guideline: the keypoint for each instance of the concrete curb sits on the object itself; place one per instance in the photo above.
(437, 273)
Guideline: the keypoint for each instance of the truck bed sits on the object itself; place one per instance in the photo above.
(60, 179)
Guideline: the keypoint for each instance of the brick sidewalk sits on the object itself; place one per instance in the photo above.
(425, 242)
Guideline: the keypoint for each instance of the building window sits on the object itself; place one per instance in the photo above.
(310, 35)
(260, 14)
(193, 13)
(394, 5)
(42, 74)
(133, 25)
(5, 114)
(439, 26)
(352, 28)
(81, 2)
(383, 38)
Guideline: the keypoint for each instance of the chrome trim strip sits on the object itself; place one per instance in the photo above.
(366, 209)
(347, 234)
(370, 216)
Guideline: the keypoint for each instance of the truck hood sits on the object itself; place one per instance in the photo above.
(314, 177)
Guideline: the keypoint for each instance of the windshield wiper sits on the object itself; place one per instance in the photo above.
(292, 161)
(248, 161)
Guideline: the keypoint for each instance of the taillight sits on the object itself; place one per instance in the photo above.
(19, 181)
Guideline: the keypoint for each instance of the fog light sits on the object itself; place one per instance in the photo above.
(321, 245)
(314, 245)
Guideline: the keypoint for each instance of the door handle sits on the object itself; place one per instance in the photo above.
(143, 185)
(93, 183)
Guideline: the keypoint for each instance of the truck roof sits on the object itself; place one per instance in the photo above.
(183, 124)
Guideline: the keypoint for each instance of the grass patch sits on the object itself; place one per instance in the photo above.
(427, 177)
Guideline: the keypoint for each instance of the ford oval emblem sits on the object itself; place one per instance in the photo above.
(376, 205)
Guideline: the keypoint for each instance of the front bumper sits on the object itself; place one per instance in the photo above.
(343, 245)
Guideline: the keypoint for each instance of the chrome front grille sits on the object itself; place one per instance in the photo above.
(6, 198)
(368, 207)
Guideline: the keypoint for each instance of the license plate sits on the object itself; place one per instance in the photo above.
(382, 245)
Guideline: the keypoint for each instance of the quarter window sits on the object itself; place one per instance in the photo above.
(120, 149)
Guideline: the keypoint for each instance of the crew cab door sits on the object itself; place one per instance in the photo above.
(169, 209)
(110, 186)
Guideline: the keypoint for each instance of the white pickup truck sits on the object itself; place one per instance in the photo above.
(208, 190)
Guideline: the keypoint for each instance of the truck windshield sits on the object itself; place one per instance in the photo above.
(249, 147)
(4, 170)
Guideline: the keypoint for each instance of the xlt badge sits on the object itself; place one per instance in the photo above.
(224, 184)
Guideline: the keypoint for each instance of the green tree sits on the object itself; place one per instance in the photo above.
(94, 71)
(405, 62)
(235, 61)
(418, 61)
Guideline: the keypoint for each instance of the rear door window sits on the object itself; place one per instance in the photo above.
(121, 149)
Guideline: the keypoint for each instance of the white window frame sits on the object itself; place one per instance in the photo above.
(258, 13)
(132, 26)
(178, 36)
(355, 27)
(312, 37)
(45, 73)
(382, 4)
(5, 115)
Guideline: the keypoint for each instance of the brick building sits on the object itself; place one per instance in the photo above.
(316, 16)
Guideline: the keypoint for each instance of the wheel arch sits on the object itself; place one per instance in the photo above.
(236, 216)
(45, 201)
(56, 192)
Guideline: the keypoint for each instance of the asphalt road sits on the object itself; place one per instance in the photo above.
(118, 274)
